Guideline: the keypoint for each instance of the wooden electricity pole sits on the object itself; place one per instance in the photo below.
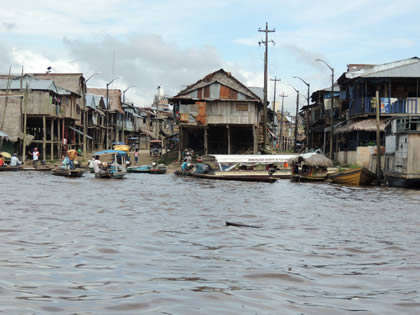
(265, 42)
(281, 122)
(378, 137)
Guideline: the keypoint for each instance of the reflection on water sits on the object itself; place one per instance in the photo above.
(159, 244)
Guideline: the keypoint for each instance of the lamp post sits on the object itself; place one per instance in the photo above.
(124, 120)
(308, 143)
(107, 112)
(126, 91)
(332, 105)
(297, 113)
(84, 87)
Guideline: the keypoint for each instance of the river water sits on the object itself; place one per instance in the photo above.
(158, 244)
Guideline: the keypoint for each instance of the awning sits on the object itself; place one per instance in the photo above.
(3, 134)
(80, 132)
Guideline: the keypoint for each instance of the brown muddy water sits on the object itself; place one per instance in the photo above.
(158, 244)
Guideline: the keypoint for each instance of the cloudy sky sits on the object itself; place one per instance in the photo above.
(174, 43)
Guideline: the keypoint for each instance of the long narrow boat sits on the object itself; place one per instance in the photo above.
(245, 176)
(114, 166)
(355, 177)
(10, 168)
(149, 169)
(67, 172)
(309, 178)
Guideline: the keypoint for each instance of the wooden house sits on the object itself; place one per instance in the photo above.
(48, 114)
(395, 86)
(114, 114)
(218, 114)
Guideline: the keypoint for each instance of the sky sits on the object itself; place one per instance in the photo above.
(143, 44)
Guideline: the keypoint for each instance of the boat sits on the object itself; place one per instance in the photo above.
(402, 154)
(237, 176)
(310, 167)
(149, 169)
(355, 177)
(9, 168)
(60, 171)
(254, 168)
(113, 164)
(43, 168)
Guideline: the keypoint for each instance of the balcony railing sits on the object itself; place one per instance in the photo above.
(388, 105)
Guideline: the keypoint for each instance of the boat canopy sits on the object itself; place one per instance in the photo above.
(249, 158)
(110, 152)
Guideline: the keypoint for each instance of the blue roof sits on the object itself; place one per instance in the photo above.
(110, 152)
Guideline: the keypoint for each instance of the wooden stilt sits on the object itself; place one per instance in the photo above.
(44, 137)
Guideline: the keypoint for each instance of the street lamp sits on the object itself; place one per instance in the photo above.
(107, 111)
(307, 98)
(85, 115)
(332, 105)
(124, 118)
(126, 91)
(297, 113)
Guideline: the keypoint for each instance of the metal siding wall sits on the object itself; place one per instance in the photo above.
(215, 91)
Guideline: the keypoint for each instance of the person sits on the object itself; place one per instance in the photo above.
(14, 161)
(1, 161)
(65, 163)
(200, 167)
(35, 157)
(136, 156)
(72, 155)
(97, 165)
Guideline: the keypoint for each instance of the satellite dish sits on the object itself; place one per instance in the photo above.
(49, 69)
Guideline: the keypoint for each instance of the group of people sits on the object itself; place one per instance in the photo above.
(199, 168)
(14, 161)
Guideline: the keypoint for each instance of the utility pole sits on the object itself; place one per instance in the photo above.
(107, 112)
(308, 143)
(297, 114)
(265, 42)
(281, 122)
(332, 106)
(157, 113)
(85, 114)
(378, 137)
(275, 80)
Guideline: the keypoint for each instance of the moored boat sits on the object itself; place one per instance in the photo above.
(149, 169)
(310, 167)
(354, 177)
(9, 168)
(237, 176)
(59, 171)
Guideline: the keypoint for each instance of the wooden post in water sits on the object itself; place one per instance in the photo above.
(44, 137)
(206, 144)
(378, 138)
(52, 138)
(25, 119)
(228, 136)
(59, 138)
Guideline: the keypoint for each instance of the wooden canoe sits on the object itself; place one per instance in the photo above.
(67, 172)
(308, 178)
(227, 176)
(10, 168)
(354, 177)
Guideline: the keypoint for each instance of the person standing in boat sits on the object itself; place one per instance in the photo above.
(1, 161)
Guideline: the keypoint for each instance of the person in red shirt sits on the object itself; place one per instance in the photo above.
(1, 161)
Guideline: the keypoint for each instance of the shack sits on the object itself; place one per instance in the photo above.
(218, 115)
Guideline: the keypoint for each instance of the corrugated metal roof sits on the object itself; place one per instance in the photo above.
(33, 84)
(398, 69)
